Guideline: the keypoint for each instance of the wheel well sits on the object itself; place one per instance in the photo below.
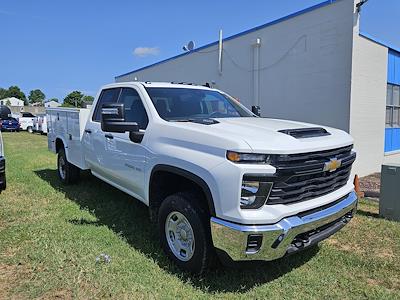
(169, 180)
(59, 145)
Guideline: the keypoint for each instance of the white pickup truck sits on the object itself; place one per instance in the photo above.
(26, 121)
(216, 178)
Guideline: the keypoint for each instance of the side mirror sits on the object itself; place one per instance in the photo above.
(113, 119)
(256, 110)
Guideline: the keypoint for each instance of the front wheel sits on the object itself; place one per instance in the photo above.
(67, 172)
(185, 232)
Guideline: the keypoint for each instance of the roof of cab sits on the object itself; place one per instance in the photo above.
(157, 84)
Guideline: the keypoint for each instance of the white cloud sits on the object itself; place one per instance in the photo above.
(146, 51)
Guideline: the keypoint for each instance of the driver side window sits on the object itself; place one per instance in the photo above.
(134, 109)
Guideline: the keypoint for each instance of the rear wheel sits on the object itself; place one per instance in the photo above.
(67, 172)
(185, 232)
(30, 129)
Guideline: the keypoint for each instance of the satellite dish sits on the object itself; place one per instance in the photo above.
(190, 46)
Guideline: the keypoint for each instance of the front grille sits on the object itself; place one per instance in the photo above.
(301, 177)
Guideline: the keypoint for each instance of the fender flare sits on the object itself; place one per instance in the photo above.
(65, 145)
(190, 176)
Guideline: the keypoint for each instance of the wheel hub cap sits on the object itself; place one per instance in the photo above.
(180, 236)
(61, 168)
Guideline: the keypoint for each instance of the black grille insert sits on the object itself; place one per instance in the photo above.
(301, 177)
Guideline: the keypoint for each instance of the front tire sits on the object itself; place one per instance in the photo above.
(67, 172)
(185, 234)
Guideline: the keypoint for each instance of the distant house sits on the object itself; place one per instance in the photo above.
(12, 101)
(51, 104)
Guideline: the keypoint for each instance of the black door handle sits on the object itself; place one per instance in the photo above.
(88, 131)
(109, 136)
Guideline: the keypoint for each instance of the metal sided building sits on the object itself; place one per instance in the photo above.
(312, 66)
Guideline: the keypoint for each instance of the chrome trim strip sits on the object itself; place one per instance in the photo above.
(232, 238)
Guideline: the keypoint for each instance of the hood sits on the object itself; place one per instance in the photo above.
(263, 135)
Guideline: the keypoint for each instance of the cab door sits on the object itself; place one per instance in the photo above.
(94, 139)
(126, 160)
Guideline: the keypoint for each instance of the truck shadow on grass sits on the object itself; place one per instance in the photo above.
(128, 218)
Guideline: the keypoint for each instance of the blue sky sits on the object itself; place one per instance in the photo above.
(60, 46)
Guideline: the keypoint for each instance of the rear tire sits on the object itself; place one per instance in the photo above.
(185, 234)
(67, 172)
(30, 129)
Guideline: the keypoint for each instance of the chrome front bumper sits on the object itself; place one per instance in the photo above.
(289, 235)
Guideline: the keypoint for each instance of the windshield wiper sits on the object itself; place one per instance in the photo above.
(182, 120)
(205, 121)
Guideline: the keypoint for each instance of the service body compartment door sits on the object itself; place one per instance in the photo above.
(75, 153)
(68, 124)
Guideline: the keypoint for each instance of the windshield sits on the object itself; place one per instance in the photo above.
(180, 104)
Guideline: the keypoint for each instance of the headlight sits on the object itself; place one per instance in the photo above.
(237, 157)
(254, 193)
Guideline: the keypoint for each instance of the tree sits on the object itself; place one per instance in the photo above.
(15, 91)
(3, 93)
(53, 99)
(74, 99)
(36, 96)
(8, 102)
(88, 99)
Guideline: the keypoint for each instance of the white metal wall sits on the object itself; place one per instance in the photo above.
(303, 72)
(368, 104)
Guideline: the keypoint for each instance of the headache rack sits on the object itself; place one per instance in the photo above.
(301, 177)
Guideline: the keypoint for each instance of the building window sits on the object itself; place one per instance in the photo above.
(392, 135)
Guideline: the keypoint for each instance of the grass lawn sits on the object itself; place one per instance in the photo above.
(50, 236)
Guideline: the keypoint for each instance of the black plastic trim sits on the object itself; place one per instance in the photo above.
(188, 175)
(2, 173)
(322, 233)
(303, 133)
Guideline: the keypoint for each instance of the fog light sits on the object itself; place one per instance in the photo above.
(254, 242)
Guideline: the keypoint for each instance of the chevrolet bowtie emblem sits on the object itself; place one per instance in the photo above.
(333, 165)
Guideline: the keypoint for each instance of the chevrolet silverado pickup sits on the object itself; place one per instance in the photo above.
(219, 181)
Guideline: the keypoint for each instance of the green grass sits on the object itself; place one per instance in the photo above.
(50, 236)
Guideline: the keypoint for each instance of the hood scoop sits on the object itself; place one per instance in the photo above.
(303, 133)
